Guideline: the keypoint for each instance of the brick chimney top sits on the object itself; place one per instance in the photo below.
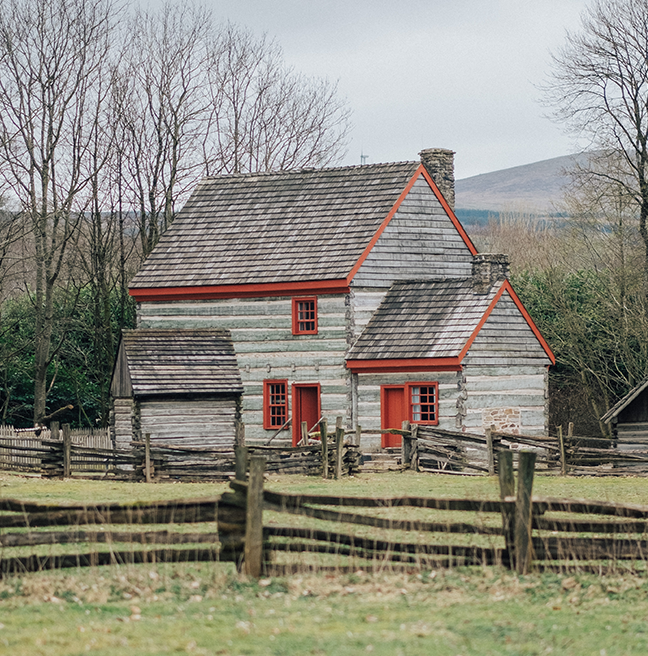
(487, 269)
(439, 163)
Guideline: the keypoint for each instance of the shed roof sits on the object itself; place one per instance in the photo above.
(423, 319)
(286, 226)
(623, 403)
(157, 362)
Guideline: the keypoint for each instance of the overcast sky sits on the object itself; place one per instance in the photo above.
(458, 74)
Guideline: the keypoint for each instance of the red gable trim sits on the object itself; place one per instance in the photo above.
(506, 287)
(446, 207)
(403, 365)
(240, 291)
(421, 170)
(209, 292)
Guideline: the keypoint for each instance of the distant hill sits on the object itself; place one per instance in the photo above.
(532, 188)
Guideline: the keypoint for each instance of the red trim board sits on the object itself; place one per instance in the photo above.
(403, 365)
(506, 287)
(240, 291)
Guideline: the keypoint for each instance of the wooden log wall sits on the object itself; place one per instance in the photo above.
(420, 242)
(505, 374)
(266, 349)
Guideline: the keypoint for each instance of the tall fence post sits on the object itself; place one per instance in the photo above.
(239, 433)
(339, 442)
(563, 459)
(413, 456)
(253, 563)
(54, 430)
(240, 462)
(147, 457)
(406, 446)
(489, 450)
(304, 433)
(324, 442)
(507, 489)
(523, 512)
(67, 449)
(358, 435)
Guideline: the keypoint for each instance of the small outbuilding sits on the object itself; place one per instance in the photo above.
(629, 418)
(182, 386)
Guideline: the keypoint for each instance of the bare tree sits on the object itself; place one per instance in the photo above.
(599, 86)
(51, 56)
(268, 117)
(195, 99)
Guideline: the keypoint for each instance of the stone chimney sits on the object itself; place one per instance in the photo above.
(439, 163)
(487, 269)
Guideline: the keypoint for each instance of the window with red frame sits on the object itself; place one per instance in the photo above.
(304, 316)
(423, 403)
(275, 403)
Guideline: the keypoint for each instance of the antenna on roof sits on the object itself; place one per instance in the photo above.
(363, 158)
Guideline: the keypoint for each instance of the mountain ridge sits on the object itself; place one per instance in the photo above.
(535, 188)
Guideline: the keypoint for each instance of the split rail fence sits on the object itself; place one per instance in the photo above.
(431, 449)
(517, 530)
(65, 453)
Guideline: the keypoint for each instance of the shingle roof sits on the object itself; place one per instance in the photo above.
(311, 224)
(623, 403)
(423, 319)
(181, 361)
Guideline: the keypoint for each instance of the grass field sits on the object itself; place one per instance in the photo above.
(208, 609)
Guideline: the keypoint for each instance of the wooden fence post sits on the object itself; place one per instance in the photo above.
(240, 462)
(358, 436)
(253, 563)
(523, 515)
(324, 442)
(489, 450)
(507, 489)
(67, 448)
(563, 459)
(54, 430)
(239, 433)
(339, 442)
(147, 457)
(406, 448)
(304, 433)
(413, 456)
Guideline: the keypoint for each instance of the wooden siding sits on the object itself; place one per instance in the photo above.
(185, 422)
(419, 242)
(122, 422)
(369, 398)
(506, 339)
(363, 302)
(506, 370)
(261, 330)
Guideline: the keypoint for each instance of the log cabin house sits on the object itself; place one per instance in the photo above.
(628, 419)
(350, 291)
(180, 386)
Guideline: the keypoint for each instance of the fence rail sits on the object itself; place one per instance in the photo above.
(517, 530)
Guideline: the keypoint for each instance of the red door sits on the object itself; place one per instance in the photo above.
(393, 413)
(306, 407)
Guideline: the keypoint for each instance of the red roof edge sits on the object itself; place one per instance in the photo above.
(506, 287)
(450, 212)
(395, 365)
(421, 170)
(211, 292)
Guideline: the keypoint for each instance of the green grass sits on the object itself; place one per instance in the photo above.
(208, 609)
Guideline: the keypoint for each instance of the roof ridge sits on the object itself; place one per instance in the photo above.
(305, 169)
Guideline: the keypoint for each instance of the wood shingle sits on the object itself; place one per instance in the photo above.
(275, 227)
(160, 362)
